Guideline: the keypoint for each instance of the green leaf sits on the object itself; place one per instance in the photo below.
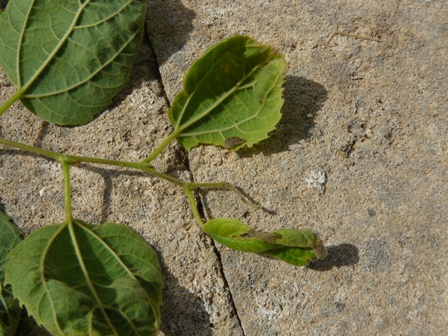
(10, 236)
(303, 238)
(81, 279)
(292, 255)
(232, 91)
(296, 247)
(69, 58)
(299, 247)
(236, 235)
(9, 307)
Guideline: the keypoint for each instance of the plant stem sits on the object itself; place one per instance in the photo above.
(108, 162)
(228, 186)
(199, 185)
(32, 149)
(67, 192)
(161, 175)
(194, 206)
(67, 160)
(162, 146)
(16, 96)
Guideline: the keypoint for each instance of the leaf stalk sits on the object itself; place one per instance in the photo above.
(16, 96)
(162, 146)
(67, 160)
(194, 206)
(67, 192)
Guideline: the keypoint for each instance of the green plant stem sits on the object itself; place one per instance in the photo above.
(162, 146)
(228, 186)
(67, 192)
(201, 185)
(194, 207)
(67, 160)
(16, 96)
(32, 149)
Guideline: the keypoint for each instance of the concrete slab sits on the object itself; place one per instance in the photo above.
(360, 157)
(367, 118)
(31, 190)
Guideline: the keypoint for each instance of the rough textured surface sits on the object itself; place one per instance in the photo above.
(360, 156)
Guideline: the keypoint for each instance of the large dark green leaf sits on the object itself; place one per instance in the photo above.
(231, 97)
(81, 279)
(69, 58)
(9, 307)
(296, 247)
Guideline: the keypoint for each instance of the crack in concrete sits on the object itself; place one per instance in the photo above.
(186, 163)
(156, 69)
(221, 268)
(226, 283)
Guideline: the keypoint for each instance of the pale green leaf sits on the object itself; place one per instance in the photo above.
(69, 58)
(303, 238)
(236, 235)
(292, 255)
(9, 307)
(81, 279)
(296, 247)
(232, 92)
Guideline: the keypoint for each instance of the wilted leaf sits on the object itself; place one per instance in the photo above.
(86, 279)
(296, 247)
(292, 255)
(9, 307)
(232, 91)
(302, 238)
(236, 235)
(68, 59)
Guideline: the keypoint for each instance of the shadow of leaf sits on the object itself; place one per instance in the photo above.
(168, 25)
(303, 99)
(28, 326)
(338, 256)
(3, 4)
(183, 313)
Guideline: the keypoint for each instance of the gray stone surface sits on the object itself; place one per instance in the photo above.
(360, 156)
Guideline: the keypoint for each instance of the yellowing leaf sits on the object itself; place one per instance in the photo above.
(292, 255)
(236, 235)
(232, 92)
(296, 247)
(68, 59)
